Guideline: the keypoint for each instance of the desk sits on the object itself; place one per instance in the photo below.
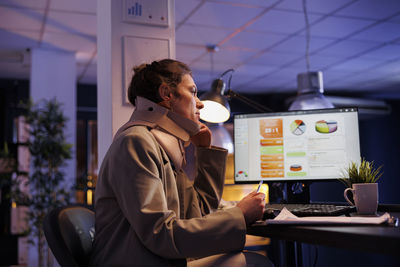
(369, 238)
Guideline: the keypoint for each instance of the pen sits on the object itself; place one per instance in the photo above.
(259, 186)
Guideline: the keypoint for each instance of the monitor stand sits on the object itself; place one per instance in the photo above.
(289, 192)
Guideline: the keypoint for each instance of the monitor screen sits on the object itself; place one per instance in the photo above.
(295, 145)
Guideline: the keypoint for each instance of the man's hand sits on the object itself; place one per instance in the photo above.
(203, 137)
(252, 207)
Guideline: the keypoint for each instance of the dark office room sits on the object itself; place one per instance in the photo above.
(292, 107)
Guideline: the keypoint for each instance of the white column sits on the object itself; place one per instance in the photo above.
(53, 75)
(128, 33)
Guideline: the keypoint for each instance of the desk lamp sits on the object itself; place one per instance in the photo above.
(216, 107)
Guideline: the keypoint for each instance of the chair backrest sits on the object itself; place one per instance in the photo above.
(69, 232)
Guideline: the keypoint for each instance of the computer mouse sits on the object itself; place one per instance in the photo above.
(269, 214)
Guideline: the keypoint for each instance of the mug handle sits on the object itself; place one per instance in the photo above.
(346, 191)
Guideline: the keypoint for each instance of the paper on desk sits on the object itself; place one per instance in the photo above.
(286, 217)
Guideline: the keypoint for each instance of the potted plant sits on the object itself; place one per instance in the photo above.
(49, 152)
(361, 181)
(362, 173)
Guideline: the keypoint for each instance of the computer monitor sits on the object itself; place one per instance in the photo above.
(304, 145)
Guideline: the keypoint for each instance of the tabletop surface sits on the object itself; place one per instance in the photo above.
(382, 238)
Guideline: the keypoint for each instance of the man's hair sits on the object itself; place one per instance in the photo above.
(147, 78)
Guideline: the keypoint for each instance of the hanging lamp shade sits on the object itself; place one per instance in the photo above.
(216, 107)
(310, 92)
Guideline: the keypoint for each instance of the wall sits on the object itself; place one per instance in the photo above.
(114, 52)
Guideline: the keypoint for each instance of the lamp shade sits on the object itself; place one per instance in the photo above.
(216, 107)
(310, 92)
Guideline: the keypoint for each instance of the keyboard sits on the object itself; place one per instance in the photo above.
(302, 210)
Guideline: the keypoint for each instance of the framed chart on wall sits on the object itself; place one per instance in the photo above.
(138, 50)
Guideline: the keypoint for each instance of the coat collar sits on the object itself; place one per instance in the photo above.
(171, 130)
(175, 124)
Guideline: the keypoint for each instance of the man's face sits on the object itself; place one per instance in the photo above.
(185, 101)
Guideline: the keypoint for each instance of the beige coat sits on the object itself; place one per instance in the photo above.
(148, 213)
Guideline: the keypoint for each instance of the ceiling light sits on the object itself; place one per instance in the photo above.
(310, 87)
(310, 92)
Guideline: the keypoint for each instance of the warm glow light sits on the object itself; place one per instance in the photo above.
(264, 189)
(89, 197)
(235, 192)
(214, 112)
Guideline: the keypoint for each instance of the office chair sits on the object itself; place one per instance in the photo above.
(69, 231)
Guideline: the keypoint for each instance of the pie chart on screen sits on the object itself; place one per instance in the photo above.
(324, 126)
(297, 127)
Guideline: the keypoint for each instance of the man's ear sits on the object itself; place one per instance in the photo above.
(164, 92)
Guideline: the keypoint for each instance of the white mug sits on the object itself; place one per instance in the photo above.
(365, 197)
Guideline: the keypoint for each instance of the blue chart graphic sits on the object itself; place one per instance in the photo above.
(135, 10)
